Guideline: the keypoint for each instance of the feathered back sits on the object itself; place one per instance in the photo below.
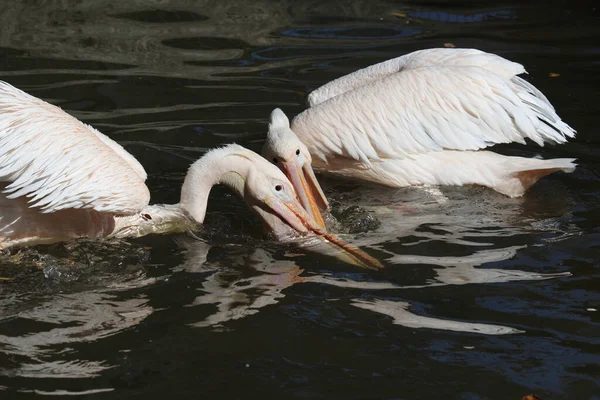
(430, 100)
(60, 163)
(423, 58)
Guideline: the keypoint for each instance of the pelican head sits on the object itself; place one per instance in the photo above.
(260, 184)
(287, 152)
(269, 193)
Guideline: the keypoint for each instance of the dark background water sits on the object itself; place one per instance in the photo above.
(483, 297)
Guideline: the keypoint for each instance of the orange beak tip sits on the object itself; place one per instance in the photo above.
(361, 258)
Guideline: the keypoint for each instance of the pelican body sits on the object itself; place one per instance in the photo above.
(62, 179)
(425, 118)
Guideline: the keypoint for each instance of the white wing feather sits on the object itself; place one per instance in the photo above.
(427, 109)
(59, 162)
(417, 59)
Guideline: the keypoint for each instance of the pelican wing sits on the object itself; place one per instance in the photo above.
(417, 59)
(429, 109)
(59, 162)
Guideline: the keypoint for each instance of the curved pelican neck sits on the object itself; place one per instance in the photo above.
(222, 166)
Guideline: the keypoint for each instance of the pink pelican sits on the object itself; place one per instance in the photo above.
(62, 179)
(420, 119)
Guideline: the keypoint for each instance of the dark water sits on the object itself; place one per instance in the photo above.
(483, 297)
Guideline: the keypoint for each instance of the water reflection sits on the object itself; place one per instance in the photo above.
(398, 310)
(60, 322)
(463, 227)
(236, 296)
(236, 293)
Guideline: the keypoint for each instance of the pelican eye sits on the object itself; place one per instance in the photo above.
(298, 152)
(278, 188)
(274, 160)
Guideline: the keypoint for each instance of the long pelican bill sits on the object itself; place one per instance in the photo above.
(300, 220)
(307, 188)
(353, 255)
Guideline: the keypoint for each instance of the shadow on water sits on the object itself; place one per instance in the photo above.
(482, 297)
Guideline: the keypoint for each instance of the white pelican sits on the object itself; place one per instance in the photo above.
(420, 119)
(61, 179)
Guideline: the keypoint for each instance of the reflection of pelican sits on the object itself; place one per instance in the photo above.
(63, 179)
(237, 292)
(69, 319)
(238, 296)
(423, 119)
(453, 271)
(399, 311)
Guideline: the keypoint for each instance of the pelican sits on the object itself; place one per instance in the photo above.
(420, 119)
(62, 179)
